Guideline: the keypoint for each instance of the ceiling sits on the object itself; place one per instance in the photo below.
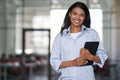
(62, 4)
(59, 3)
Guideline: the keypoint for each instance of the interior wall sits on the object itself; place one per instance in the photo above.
(7, 26)
(111, 28)
(116, 23)
(2, 27)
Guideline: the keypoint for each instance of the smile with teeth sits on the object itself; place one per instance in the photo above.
(76, 21)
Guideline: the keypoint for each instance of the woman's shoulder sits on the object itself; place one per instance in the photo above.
(91, 30)
(58, 35)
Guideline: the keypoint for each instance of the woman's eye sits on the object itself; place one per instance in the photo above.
(74, 13)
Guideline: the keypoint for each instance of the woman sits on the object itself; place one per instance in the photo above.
(68, 53)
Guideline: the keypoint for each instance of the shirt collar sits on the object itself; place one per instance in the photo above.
(83, 28)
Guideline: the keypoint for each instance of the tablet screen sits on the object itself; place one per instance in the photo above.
(92, 47)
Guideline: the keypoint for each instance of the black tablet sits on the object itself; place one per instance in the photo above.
(92, 47)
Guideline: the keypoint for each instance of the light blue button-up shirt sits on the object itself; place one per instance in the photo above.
(66, 48)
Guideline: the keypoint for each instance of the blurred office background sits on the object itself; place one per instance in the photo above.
(27, 30)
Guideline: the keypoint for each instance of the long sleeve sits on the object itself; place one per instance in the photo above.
(55, 54)
(101, 53)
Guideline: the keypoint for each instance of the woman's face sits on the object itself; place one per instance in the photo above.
(77, 16)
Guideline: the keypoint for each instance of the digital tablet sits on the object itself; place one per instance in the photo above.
(92, 47)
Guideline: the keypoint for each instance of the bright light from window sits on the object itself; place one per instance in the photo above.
(41, 21)
(96, 21)
(56, 18)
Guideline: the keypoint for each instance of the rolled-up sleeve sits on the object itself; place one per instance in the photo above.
(100, 52)
(55, 58)
(103, 56)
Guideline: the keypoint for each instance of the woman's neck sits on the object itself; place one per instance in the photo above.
(75, 29)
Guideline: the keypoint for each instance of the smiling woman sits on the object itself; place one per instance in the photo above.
(77, 16)
(68, 55)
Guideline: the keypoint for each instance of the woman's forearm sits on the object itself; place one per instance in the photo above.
(76, 62)
(65, 64)
(95, 59)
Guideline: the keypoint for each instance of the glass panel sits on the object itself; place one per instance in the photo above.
(37, 52)
(37, 42)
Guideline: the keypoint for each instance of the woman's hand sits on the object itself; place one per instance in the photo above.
(79, 61)
(84, 53)
(76, 62)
